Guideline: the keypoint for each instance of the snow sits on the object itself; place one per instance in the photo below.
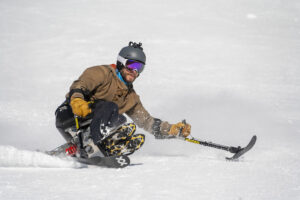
(230, 68)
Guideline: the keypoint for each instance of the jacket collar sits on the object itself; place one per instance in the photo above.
(118, 74)
(120, 77)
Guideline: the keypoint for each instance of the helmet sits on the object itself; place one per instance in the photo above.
(133, 51)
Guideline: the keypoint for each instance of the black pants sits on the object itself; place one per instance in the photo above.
(105, 116)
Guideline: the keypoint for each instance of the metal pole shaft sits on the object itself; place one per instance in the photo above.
(210, 144)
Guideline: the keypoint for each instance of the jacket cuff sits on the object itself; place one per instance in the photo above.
(160, 129)
(156, 127)
(76, 93)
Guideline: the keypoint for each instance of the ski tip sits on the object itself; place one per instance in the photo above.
(254, 138)
(237, 155)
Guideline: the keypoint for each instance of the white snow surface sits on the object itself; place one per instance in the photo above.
(230, 68)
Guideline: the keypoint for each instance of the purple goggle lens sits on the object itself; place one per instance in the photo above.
(135, 65)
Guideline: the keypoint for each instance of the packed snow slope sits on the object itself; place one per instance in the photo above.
(230, 68)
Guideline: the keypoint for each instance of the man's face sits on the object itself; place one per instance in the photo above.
(129, 75)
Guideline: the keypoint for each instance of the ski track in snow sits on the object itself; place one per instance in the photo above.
(13, 157)
(229, 68)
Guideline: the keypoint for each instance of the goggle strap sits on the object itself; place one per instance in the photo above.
(122, 60)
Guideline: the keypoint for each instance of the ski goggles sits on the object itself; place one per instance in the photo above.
(132, 65)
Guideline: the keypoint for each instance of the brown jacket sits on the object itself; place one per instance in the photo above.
(102, 83)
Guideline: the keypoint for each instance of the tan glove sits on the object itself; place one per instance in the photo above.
(175, 129)
(80, 107)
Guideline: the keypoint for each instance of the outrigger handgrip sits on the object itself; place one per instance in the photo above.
(238, 151)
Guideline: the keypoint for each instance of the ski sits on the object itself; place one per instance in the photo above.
(242, 151)
(120, 161)
(110, 161)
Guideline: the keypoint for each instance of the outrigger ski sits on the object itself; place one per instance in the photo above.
(238, 151)
(120, 161)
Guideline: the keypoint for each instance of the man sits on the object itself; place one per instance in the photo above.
(103, 94)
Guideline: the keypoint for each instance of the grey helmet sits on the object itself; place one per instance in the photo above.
(133, 51)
